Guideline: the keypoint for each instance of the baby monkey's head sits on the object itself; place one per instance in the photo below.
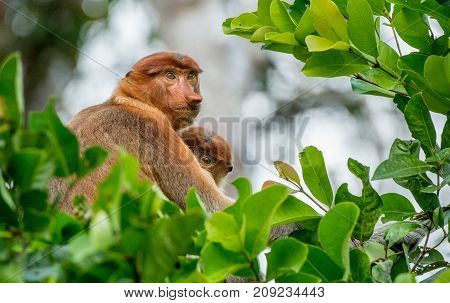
(211, 150)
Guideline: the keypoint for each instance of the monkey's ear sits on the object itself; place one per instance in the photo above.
(128, 74)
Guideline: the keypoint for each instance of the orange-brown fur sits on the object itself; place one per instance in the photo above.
(211, 150)
(142, 116)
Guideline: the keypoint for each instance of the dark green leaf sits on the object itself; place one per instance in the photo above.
(258, 212)
(298, 278)
(335, 230)
(361, 28)
(396, 208)
(11, 91)
(169, 238)
(359, 265)
(412, 29)
(315, 174)
(286, 256)
(319, 264)
(400, 166)
(218, 263)
(334, 63)
(369, 204)
(420, 124)
(64, 143)
(398, 230)
(382, 271)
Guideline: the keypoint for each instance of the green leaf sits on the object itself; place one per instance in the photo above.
(246, 21)
(429, 7)
(260, 34)
(388, 58)
(222, 228)
(319, 264)
(400, 166)
(286, 256)
(93, 157)
(437, 73)
(193, 202)
(258, 212)
(382, 271)
(218, 263)
(287, 172)
(5, 195)
(31, 168)
(443, 277)
(378, 6)
(11, 91)
(361, 28)
(319, 44)
(315, 174)
(405, 278)
(263, 12)
(64, 143)
(305, 27)
(376, 251)
(328, 20)
(369, 204)
(227, 30)
(398, 230)
(420, 124)
(334, 63)
(280, 16)
(283, 38)
(383, 79)
(165, 241)
(244, 190)
(396, 208)
(335, 230)
(101, 231)
(412, 28)
(365, 88)
(293, 210)
(440, 157)
(359, 265)
(298, 278)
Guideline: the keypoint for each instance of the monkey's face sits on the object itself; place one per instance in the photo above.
(211, 150)
(169, 81)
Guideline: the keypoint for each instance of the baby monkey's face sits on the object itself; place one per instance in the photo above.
(210, 149)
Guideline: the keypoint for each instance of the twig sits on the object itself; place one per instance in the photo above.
(424, 249)
(301, 190)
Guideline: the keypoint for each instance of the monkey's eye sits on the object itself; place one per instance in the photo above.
(192, 75)
(207, 160)
(170, 75)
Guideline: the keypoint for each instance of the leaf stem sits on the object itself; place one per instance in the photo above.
(301, 190)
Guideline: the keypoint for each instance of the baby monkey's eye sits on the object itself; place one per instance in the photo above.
(192, 75)
(170, 75)
(207, 160)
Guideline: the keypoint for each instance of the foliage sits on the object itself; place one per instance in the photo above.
(342, 38)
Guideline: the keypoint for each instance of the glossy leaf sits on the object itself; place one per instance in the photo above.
(400, 166)
(437, 73)
(286, 256)
(315, 174)
(396, 208)
(398, 230)
(369, 204)
(218, 263)
(328, 20)
(412, 29)
(361, 28)
(258, 212)
(319, 44)
(388, 58)
(359, 265)
(420, 124)
(335, 230)
(222, 228)
(293, 210)
(280, 16)
(319, 264)
(334, 63)
(304, 27)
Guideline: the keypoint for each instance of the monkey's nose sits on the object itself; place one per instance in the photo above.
(230, 168)
(194, 99)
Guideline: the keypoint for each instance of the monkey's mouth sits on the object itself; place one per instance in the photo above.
(190, 110)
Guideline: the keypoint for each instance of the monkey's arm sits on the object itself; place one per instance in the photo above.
(173, 166)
